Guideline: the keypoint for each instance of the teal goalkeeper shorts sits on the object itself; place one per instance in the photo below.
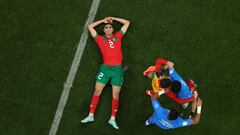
(114, 74)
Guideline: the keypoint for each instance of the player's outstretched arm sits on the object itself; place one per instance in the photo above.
(125, 23)
(198, 105)
(91, 26)
(170, 64)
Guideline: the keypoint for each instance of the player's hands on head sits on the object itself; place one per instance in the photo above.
(108, 20)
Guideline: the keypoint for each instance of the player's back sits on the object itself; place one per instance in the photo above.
(160, 117)
(162, 120)
(184, 92)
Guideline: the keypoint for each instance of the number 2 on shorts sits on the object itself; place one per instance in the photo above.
(100, 75)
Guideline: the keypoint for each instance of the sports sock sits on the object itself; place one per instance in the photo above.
(114, 106)
(94, 103)
(191, 83)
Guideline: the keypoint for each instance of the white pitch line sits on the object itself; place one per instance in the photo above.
(73, 70)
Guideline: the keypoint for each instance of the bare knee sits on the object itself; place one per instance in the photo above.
(97, 92)
(116, 91)
(98, 89)
(116, 94)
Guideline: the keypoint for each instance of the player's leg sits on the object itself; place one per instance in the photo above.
(192, 86)
(116, 81)
(115, 100)
(191, 83)
(101, 79)
(95, 98)
(94, 102)
(115, 94)
(149, 121)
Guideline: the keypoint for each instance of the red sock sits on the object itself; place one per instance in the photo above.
(94, 103)
(114, 106)
(191, 83)
(193, 89)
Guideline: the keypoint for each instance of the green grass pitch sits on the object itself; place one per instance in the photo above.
(38, 40)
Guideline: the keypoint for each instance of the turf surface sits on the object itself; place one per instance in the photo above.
(39, 39)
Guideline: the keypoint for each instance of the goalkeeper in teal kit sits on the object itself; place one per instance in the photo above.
(170, 119)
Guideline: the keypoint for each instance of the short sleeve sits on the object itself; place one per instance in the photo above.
(119, 34)
(98, 38)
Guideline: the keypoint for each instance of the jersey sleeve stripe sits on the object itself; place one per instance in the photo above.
(122, 32)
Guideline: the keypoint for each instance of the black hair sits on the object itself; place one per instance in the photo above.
(165, 83)
(162, 72)
(173, 114)
(176, 86)
(109, 24)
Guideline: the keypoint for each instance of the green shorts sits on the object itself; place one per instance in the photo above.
(112, 73)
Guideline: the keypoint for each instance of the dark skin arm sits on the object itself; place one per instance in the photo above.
(195, 104)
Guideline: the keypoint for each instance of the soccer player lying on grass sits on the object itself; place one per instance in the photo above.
(166, 80)
(111, 69)
(170, 119)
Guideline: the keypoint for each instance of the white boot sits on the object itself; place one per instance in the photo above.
(113, 123)
(88, 119)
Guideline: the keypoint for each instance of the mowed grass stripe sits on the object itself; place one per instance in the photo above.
(38, 43)
(73, 70)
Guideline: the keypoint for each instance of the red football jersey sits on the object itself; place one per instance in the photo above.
(160, 62)
(111, 48)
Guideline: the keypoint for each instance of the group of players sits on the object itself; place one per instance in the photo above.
(165, 80)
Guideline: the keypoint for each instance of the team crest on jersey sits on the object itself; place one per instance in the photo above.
(114, 39)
